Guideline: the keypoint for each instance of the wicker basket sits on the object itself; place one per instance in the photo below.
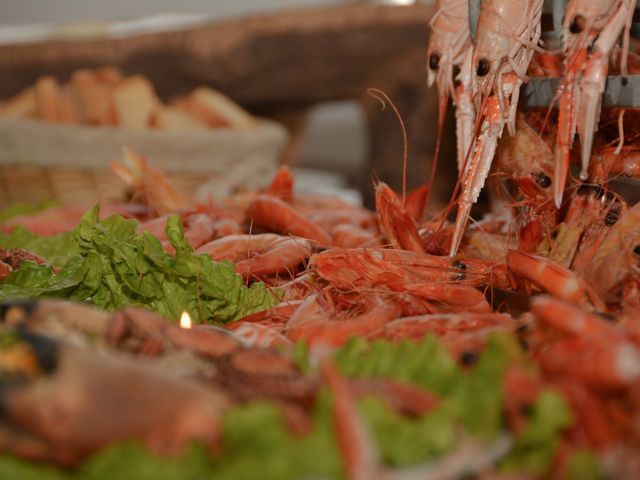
(70, 163)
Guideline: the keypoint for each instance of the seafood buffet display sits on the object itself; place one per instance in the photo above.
(278, 334)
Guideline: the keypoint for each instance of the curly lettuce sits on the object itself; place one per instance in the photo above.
(113, 266)
(257, 443)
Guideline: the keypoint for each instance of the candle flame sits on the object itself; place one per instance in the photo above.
(185, 320)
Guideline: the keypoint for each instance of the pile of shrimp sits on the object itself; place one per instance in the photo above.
(571, 246)
(343, 271)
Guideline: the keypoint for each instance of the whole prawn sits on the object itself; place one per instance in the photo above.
(508, 31)
(449, 60)
(526, 160)
(591, 32)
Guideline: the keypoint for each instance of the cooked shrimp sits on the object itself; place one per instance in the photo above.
(320, 322)
(592, 30)
(554, 278)
(356, 268)
(352, 236)
(274, 214)
(395, 222)
(507, 34)
(416, 327)
(356, 443)
(617, 259)
(148, 185)
(260, 255)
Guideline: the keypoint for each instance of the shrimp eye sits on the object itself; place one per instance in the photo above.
(598, 191)
(455, 72)
(583, 189)
(636, 250)
(612, 216)
(483, 66)
(434, 61)
(577, 24)
(468, 357)
(543, 180)
(459, 265)
(526, 409)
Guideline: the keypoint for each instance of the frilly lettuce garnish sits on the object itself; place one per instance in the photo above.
(257, 444)
(112, 266)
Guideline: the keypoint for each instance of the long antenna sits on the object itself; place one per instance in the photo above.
(383, 98)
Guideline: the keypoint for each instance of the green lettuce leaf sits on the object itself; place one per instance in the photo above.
(584, 465)
(16, 469)
(257, 444)
(473, 396)
(478, 397)
(536, 446)
(131, 461)
(404, 440)
(114, 266)
(57, 249)
(426, 364)
(470, 398)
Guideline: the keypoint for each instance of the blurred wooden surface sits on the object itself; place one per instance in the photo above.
(276, 65)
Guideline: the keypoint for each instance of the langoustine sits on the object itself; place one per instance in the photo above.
(505, 40)
(591, 32)
(449, 67)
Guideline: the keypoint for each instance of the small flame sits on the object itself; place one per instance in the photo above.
(185, 320)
